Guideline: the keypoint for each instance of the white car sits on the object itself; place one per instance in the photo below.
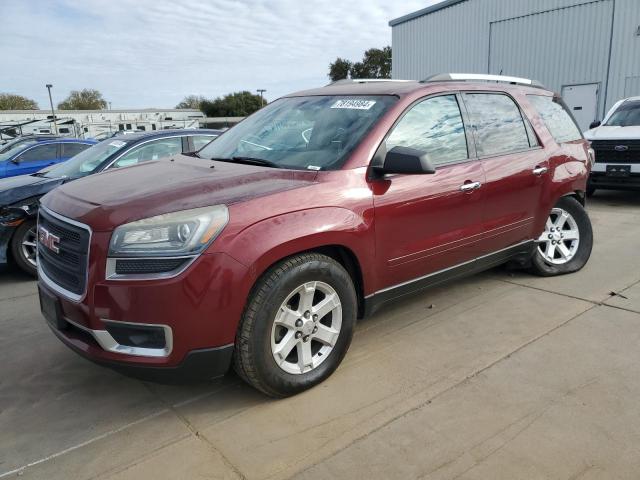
(616, 142)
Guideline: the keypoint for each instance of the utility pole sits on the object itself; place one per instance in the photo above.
(261, 92)
(53, 112)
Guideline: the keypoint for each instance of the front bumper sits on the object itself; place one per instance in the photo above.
(601, 180)
(198, 311)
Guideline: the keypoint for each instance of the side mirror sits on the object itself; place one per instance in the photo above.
(16, 160)
(406, 160)
(595, 124)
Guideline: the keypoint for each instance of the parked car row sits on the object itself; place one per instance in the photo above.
(20, 195)
(262, 249)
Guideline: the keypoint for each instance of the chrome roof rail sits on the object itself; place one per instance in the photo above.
(366, 80)
(482, 77)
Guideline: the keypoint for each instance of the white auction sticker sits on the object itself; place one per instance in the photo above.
(354, 104)
(117, 143)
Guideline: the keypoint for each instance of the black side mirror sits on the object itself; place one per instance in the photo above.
(16, 160)
(406, 160)
(595, 124)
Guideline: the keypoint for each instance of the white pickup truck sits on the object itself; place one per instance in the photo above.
(616, 142)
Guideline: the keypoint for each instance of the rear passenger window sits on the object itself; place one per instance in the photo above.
(498, 124)
(71, 149)
(556, 118)
(435, 127)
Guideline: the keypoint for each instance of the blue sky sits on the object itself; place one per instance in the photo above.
(152, 53)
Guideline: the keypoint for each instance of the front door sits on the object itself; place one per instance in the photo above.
(33, 159)
(427, 223)
(582, 101)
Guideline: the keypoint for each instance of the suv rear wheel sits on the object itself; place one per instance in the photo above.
(565, 245)
(297, 325)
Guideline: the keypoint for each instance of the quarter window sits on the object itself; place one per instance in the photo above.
(435, 127)
(556, 118)
(498, 124)
(163, 147)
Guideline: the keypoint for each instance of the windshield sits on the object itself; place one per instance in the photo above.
(315, 133)
(87, 161)
(627, 115)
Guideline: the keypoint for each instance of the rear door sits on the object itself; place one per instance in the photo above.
(515, 167)
(427, 223)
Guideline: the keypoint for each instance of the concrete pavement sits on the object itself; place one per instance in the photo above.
(498, 376)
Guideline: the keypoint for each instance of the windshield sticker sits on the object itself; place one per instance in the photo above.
(354, 104)
(313, 167)
(117, 143)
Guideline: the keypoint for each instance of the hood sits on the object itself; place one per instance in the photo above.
(119, 196)
(15, 189)
(613, 133)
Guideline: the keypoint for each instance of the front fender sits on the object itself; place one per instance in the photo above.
(264, 243)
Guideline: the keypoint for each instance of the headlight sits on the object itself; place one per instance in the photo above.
(183, 233)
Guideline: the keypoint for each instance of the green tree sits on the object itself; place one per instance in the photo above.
(340, 69)
(238, 104)
(9, 101)
(376, 63)
(86, 99)
(191, 101)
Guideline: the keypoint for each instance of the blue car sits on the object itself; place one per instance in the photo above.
(28, 157)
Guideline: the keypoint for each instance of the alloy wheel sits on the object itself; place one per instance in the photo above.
(306, 327)
(28, 246)
(559, 242)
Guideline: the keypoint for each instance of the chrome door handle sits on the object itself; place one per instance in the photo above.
(469, 187)
(540, 170)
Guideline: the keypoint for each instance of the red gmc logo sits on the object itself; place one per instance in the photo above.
(48, 239)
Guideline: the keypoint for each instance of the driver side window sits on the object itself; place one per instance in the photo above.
(154, 150)
(435, 127)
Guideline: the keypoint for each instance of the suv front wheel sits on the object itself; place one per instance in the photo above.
(565, 245)
(297, 325)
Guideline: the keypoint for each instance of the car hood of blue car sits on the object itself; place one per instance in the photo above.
(23, 187)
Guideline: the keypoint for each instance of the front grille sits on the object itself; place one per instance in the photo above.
(612, 151)
(68, 267)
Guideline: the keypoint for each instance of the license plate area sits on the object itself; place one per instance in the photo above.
(618, 170)
(51, 310)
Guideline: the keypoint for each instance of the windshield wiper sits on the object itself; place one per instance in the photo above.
(249, 161)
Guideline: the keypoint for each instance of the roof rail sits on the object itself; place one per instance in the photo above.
(482, 77)
(365, 80)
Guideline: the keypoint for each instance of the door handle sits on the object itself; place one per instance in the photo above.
(540, 171)
(470, 187)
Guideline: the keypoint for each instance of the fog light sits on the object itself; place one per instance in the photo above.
(141, 336)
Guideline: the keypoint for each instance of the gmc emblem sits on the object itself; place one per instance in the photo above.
(621, 148)
(48, 239)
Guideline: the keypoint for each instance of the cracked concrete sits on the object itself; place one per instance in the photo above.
(499, 376)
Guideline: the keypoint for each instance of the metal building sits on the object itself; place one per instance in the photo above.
(588, 50)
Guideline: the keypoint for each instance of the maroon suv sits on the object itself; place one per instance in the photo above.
(311, 213)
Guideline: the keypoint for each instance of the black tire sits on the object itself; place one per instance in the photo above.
(16, 248)
(590, 191)
(253, 357)
(542, 267)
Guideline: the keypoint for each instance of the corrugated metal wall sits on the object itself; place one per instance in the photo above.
(559, 42)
